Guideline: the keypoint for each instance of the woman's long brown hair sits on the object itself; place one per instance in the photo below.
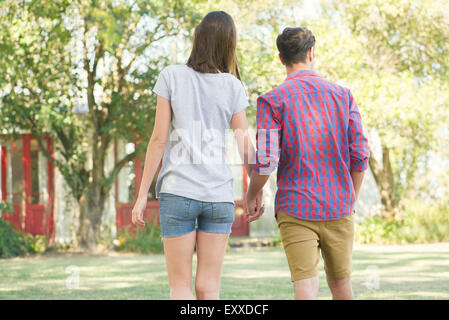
(214, 45)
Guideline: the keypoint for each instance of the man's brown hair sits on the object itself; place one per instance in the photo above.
(294, 43)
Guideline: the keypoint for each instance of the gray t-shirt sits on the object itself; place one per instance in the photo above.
(203, 104)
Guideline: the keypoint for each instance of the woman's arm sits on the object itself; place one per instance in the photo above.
(155, 151)
(247, 152)
(239, 125)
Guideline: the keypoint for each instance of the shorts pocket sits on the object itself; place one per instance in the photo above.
(223, 211)
(174, 207)
(345, 223)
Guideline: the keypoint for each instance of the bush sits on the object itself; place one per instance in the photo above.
(146, 240)
(12, 243)
(418, 223)
(36, 243)
(15, 243)
(6, 207)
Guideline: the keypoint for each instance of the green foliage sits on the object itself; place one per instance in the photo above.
(38, 89)
(12, 243)
(276, 240)
(36, 243)
(393, 55)
(378, 229)
(418, 223)
(103, 57)
(106, 55)
(15, 243)
(6, 207)
(143, 240)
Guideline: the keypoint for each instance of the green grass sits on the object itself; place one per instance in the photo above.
(405, 272)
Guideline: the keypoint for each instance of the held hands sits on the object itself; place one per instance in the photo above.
(137, 213)
(254, 206)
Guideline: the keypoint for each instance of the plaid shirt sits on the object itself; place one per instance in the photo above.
(311, 131)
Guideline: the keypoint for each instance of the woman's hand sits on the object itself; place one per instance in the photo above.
(254, 206)
(137, 213)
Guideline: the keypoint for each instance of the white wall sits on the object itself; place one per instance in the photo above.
(66, 209)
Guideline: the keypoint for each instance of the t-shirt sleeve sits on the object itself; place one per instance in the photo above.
(241, 100)
(162, 86)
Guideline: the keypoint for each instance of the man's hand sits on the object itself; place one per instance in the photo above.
(254, 206)
(137, 213)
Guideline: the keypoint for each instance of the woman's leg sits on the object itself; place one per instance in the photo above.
(178, 257)
(210, 252)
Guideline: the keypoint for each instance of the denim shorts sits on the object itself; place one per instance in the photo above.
(180, 216)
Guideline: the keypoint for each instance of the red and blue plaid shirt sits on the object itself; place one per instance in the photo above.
(310, 129)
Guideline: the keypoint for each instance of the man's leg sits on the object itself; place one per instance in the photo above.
(341, 288)
(300, 242)
(306, 289)
(337, 238)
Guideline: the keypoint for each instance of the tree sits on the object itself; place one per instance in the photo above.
(105, 56)
(58, 54)
(392, 54)
(35, 88)
(401, 83)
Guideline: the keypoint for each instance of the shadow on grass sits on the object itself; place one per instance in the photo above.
(252, 274)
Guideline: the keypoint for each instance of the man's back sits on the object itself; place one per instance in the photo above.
(314, 129)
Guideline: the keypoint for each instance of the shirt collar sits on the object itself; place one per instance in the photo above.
(302, 73)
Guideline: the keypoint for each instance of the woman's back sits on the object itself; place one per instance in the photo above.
(194, 160)
(196, 105)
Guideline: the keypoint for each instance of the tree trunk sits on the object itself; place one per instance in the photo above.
(91, 212)
(383, 175)
(92, 202)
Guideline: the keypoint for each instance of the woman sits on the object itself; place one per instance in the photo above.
(196, 104)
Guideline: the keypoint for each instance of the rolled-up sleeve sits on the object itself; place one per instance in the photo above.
(268, 138)
(358, 143)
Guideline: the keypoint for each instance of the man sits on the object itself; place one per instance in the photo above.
(310, 130)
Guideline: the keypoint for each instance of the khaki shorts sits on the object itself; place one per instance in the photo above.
(303, 239)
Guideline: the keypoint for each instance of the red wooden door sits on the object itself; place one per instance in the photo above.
(12, 180)
(38, 179)
(27, 183)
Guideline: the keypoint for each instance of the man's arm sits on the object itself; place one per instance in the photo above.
(255, 187)
(267, 156)
(357, 178)
(358, 146)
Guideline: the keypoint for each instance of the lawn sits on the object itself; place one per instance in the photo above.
(380, 272)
